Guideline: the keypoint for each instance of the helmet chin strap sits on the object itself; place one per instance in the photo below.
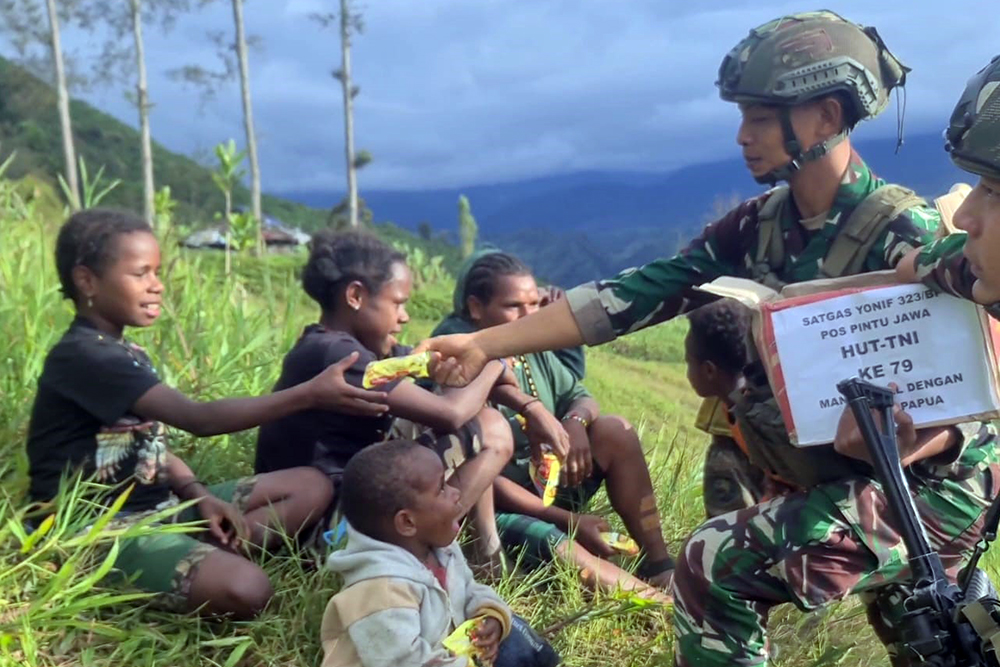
(793, 148)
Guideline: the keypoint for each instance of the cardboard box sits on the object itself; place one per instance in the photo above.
(938, 349)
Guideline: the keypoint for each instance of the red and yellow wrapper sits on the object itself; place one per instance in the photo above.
(546, 477)
(460, 641)
(621, 543)
(383, 371)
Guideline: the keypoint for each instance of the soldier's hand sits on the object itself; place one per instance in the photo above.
(462, 360)
(849, 442)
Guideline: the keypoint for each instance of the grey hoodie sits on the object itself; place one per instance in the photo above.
(393, 612)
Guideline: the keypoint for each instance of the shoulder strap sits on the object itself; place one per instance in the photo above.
(947, 205)
(770, 243)
(858, 234)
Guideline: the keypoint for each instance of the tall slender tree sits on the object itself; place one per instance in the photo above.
(119, 61)
(21, 20)
(241, 54)
(62, 101)
(234, 56)
(142, 102)
(345, 82)
(348, 21)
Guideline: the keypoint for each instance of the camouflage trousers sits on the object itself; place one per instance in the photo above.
(813, 547)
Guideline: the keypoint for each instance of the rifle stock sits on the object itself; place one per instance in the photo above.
(933, 631)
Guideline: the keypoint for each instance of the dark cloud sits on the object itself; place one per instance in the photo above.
(456, 92)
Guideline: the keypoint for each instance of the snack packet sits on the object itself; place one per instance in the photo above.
(386, 370)
(460, 641)
(621, 543)
(546, 477)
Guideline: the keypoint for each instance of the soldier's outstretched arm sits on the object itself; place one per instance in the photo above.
(464, 355)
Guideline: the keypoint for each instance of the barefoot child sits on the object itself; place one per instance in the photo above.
(407, 586)
(101, 407)
(362, 286)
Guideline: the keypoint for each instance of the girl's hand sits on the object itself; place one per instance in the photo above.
(508, 376)
(225, 523)
(579, 461)
(542, 428)
(462, 360)
(332, 392)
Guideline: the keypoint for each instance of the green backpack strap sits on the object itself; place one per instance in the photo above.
(866, 223)
(770, 242)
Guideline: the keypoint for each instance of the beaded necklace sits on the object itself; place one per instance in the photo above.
(522, 361)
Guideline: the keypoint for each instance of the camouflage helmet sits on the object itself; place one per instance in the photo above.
(973, 135)
(797, 58)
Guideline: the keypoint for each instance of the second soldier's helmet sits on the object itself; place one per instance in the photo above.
(973, 135)
(797, 58)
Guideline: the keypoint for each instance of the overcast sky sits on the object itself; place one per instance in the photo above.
(457, 92)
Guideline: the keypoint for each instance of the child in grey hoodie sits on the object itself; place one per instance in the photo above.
(406, 583)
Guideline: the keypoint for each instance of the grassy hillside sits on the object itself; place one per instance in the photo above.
(29, 126)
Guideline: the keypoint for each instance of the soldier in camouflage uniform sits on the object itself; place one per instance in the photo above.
(802, 82)
(968, 265)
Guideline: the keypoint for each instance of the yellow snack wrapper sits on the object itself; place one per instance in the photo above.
(460, 643)
(546, 477)
(621, 543)
(383, 371)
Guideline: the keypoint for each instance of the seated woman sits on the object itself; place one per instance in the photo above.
(100, 409)
(573, 358)
(362, 286)
(558, 411)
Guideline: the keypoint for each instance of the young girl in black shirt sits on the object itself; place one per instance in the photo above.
(362, 286)
(100, 408)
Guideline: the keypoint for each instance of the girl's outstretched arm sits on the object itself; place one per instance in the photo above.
(444, 412)
(326, 391)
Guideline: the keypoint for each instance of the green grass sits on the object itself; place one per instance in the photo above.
(223, 336)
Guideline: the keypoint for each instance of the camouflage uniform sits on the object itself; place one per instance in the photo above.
(665, 288)
(813, 546)
(973, 141)
(810, 547)
(942, 266)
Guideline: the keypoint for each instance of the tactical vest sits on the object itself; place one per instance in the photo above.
(850, 248)
(755, 409)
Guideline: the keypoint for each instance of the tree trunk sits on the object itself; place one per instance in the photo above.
(345, 80)
(241, 53)
(229, 229)
(143, 102)
(62, 96)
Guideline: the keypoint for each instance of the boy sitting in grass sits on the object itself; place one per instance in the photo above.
(406, 584)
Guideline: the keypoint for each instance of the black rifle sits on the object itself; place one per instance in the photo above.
(939, 627)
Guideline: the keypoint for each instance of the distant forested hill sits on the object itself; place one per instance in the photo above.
(29, 126)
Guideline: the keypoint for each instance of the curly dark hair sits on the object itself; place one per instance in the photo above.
(480, 281)
(719, 333)
(377, 484)
(87, 238)
(337, 259)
